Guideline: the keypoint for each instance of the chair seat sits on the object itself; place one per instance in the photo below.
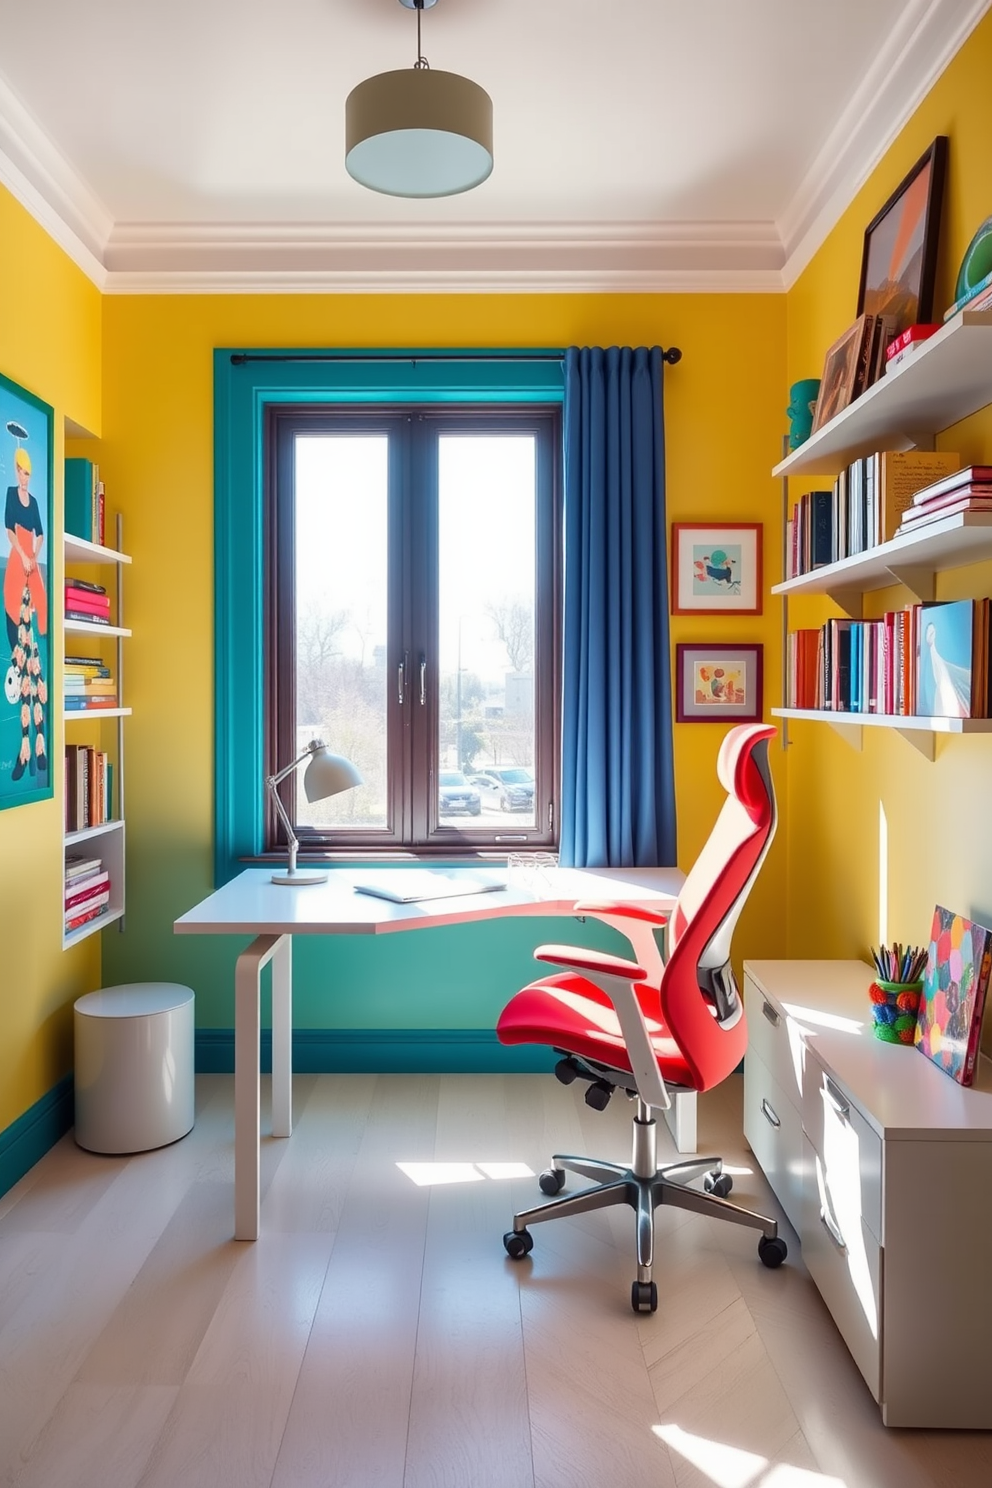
(568, 1012)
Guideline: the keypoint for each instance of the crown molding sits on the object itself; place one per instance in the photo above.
(916, 52)
(587, 258)
(578, 258)
(47, 186)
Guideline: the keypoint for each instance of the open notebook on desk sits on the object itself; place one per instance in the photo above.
(408, 885)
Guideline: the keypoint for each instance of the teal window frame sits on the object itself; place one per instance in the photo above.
(246, 383)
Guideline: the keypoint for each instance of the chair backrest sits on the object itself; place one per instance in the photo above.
(700, 1000)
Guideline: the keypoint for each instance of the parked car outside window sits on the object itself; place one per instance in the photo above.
(508, 787)
(457, 794)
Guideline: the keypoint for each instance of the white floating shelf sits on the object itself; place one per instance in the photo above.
(889, 720)
(84, 833)
(80, 550)
(945, 381)
(71, 714)
(90, 928)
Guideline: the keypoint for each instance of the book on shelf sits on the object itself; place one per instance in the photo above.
(912, 336)
(85, 884)
(82, 599)
(77, 922)
(884, 332)
(78, 864)
(90, 617)
(71, 581)
(955, 984)
(953, 659)
(976, 292)
(915, 517)
(96, 889)
(899, 474)
(969, 475)
(83, 661)
(81, 480)
(73, 704)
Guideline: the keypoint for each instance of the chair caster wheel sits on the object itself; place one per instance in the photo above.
(772, 1252)
(718, 1184)
(644, 1296)
(518, 1243)
(552, 1181)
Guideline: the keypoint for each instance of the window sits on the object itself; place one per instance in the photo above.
(411, 620)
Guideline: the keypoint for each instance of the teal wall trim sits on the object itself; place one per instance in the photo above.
(32, 1134)
(242, 391)
(387, 1051)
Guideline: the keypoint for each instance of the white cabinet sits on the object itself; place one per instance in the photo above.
(884, 1166)
(106, 840)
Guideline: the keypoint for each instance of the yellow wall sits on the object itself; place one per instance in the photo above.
(938, 847)
(50, 344)
(724, 411)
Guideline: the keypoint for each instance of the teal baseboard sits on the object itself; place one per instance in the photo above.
(386, 1051)
(31, 1135)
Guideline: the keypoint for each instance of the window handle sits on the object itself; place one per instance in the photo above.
(400, 681)
(423, 681)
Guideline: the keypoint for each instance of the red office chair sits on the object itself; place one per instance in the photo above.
(652, 1024)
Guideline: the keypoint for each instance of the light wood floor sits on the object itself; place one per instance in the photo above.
(376, 1336)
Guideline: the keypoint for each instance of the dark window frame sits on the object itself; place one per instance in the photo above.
(412, 732)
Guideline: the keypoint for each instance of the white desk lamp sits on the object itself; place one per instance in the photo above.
(325, 775)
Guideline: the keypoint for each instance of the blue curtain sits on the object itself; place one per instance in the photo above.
(618, 782)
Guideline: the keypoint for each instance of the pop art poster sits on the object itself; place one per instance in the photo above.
(26, 467)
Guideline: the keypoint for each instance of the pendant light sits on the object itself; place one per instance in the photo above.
(416, 132)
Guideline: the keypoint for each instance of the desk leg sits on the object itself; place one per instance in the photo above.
(282, 1038)
(247, 1103)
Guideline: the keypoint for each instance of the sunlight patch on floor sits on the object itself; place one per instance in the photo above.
(425, 1174)
(732, 1467)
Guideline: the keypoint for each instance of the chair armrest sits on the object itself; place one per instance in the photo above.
(616, 978)
(621, 908)
(581, 958)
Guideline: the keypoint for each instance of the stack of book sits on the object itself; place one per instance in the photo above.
(978, 297)
(929, 660)
(85, 502)
(87, 890)
(968, 490)
(86, 601)
(864, 507)
(88, 684)
(907, 344)
(88, 787)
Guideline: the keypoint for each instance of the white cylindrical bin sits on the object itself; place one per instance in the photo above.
(134, 1066)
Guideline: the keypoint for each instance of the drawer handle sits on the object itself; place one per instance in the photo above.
(769, 1113)
(832, 1230)
(840, 1108)
(769, 1012)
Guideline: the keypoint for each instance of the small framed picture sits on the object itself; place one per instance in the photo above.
(716, 568)
(844, 369)
(899, 259)
(718, 684)
(27, 731)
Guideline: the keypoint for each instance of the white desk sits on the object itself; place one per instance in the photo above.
(252, 905)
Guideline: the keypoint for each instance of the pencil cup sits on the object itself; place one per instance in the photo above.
(894, 1006)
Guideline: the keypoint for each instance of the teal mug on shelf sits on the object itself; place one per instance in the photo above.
(802, 405)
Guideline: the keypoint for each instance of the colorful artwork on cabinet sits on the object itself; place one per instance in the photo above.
(26, 465)
(955, 982)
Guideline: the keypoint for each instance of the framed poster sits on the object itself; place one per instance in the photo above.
(716, 568)
(718, 684)
(26, 464)
(899, 259)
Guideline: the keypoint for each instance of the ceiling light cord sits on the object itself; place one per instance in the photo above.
(421, 61)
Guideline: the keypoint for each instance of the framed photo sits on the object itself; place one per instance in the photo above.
(899, 260)
(844, 368)
(716, 568)
(718, 684)
(26, 464)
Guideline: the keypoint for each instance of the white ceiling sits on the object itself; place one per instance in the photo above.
(639, 144)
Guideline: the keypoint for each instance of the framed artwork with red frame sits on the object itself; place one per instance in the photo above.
(716, 568)
(715, 683)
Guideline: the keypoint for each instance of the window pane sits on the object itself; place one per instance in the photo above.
(341, 619)
(486, 606)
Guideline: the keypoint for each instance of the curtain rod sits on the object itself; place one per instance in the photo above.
(239, 358)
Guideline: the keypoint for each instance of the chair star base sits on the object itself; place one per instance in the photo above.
(643, 1186)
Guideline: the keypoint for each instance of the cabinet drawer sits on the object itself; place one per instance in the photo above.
(773, 1128)
(849, 1149)
(847, 1269)
(769, 1033)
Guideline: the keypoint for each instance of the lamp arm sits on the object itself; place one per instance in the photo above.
(272, 782)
